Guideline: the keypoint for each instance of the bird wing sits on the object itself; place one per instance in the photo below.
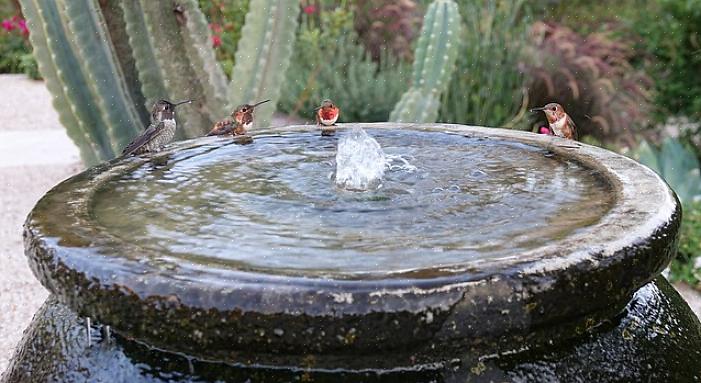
(143, 138)
(573, 126)
(222, 127)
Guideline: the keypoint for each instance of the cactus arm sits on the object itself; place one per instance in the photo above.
(434, 64)
(113, 15)
(65, 81)
(149, 73)
(198, 43)
(179, 78)
(106, 80)
(89, 151)
(263, 54)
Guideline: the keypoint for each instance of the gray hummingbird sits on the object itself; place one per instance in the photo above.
(159, 133)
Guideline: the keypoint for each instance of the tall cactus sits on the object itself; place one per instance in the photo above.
(260, 68)
(434, 64)
(106, 61)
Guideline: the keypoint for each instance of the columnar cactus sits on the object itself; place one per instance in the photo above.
(275, 22)
(434, 64)
(106, 61)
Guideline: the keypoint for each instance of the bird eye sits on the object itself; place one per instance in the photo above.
(244, 110)
(554, 108)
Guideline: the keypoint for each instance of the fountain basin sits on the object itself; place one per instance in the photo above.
(215, 304)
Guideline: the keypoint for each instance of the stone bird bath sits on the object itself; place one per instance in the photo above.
(485, 254)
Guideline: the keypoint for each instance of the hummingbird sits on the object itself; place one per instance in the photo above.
(326, 115)
(159, 133)
(560, 122)
(240, 121)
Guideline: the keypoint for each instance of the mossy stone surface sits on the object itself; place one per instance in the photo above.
(586, 277)
(655, 337)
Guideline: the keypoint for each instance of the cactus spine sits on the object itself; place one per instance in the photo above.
(434, 64)
(106, 61)
(263, 54)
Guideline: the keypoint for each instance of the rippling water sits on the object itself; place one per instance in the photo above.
(273, 205)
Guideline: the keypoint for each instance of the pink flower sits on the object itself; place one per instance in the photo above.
(309, 9)
(544, 130)
(8, 25)
(22, 25)
(216, 41)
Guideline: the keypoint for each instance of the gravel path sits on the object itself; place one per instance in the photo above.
(36, 154)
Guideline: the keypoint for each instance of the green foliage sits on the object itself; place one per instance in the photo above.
(263, 55)
(487, 87)
(106, 61)
(330, 63)
(15, 50)
(677, 164)
(434, 63)
(28, 65)
(671, 36)
(12, 47)
(226, 18)
(685, 267)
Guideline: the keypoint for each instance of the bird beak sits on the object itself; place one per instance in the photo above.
(183, 102)
(538, 109)
(258, 103)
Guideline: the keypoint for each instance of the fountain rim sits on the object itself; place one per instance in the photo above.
(628, 225)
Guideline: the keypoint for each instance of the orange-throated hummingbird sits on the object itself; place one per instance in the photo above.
(326, 115)
(240, 121)
(560, 122)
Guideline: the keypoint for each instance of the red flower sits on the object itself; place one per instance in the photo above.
(22, 25)
(8, 25)
(216, 41)
(309, 9)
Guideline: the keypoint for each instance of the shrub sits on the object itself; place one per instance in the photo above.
(677, 164)
(15, 50)
(387, 25)
(331, 63)
(592, 78)
(226, 18)
(487, 87)
(672, 37)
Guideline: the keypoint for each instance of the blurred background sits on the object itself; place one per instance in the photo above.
(627, 71)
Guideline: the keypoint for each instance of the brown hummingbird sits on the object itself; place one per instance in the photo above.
(241, 120)
(326, 115)
(560, 122)
(159, 133)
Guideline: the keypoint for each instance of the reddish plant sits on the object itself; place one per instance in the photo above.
(592, 78)
(387, 24)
